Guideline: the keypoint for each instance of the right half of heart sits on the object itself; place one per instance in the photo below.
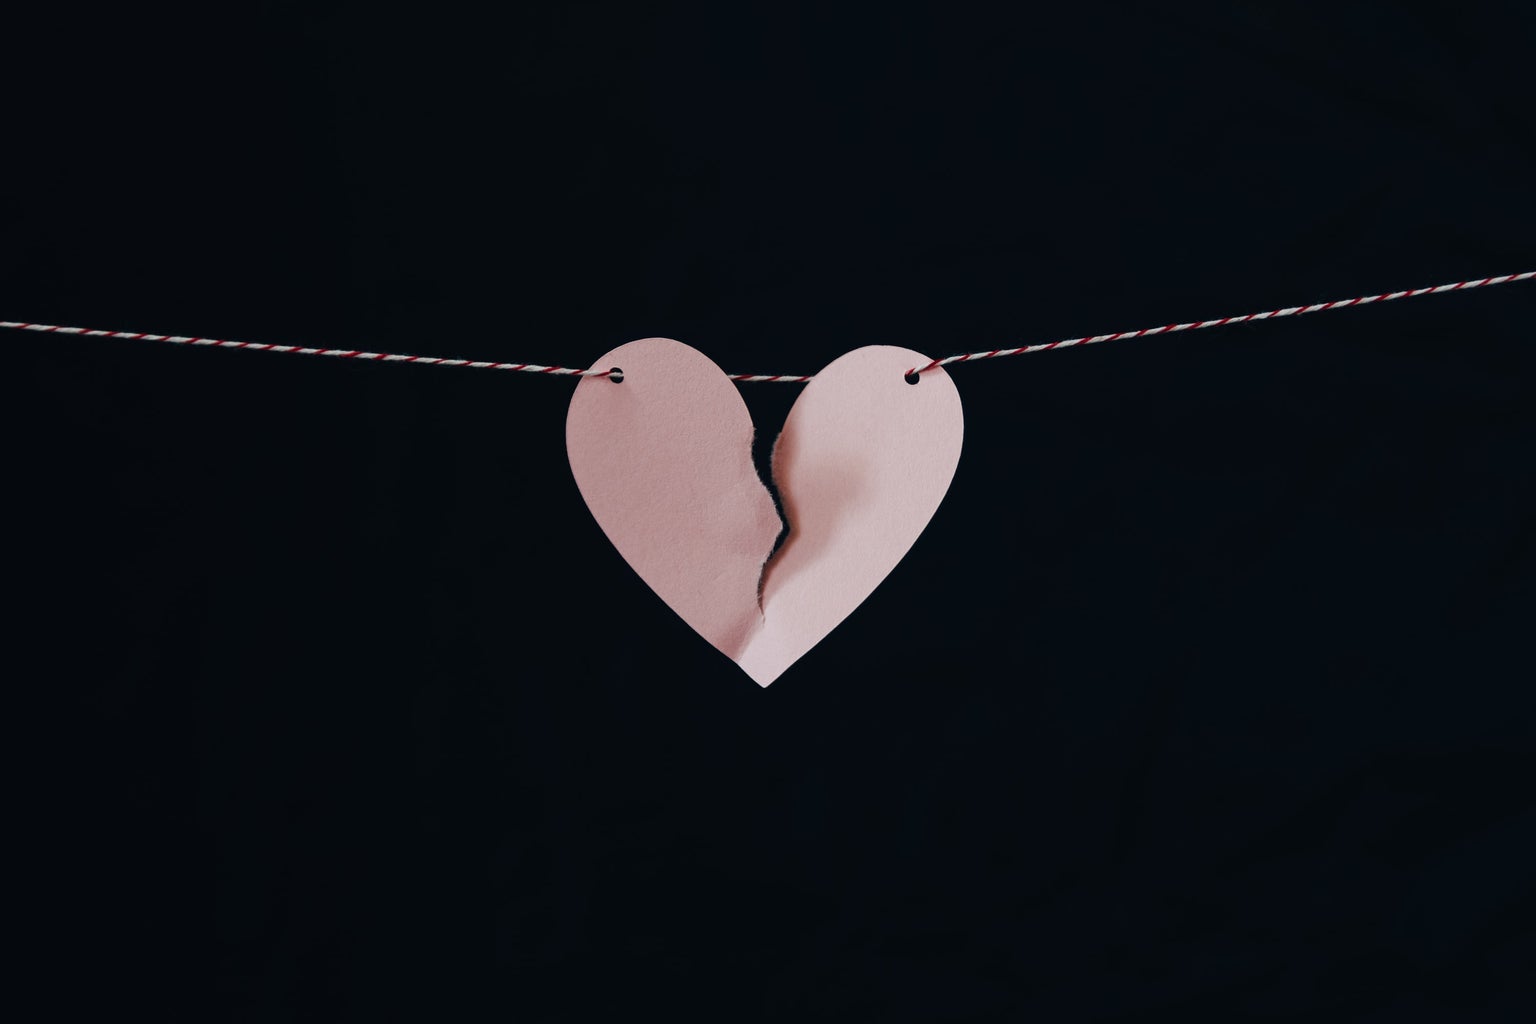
(664, 462)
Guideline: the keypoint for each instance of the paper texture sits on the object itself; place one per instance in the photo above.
(664, 462)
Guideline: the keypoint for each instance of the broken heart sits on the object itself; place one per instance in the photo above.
(664, 462)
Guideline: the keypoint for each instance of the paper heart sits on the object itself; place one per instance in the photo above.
(664, 462)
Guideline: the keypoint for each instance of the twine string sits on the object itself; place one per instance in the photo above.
(755, 378)
(1195, 325)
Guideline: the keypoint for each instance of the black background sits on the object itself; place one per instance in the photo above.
(1205, 696)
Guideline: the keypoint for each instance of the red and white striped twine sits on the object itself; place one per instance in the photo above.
(1147, 332)
(340, 353)
(562, 371)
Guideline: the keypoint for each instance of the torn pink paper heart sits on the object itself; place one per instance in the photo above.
(664, 461)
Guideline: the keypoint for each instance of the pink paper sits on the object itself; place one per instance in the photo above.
(664, 461)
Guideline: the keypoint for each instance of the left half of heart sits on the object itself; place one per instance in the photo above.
(663, 460)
